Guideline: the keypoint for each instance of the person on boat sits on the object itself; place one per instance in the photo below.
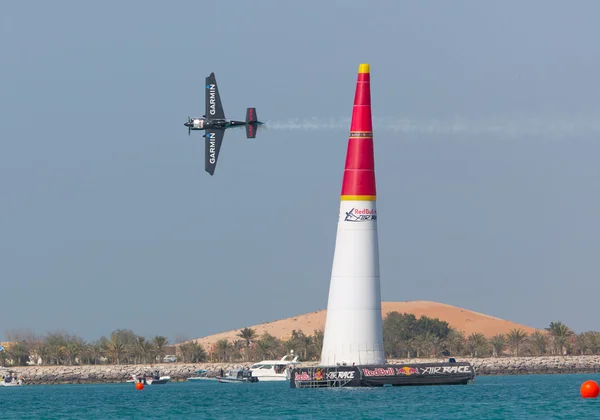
(221, 373)
(156, 375)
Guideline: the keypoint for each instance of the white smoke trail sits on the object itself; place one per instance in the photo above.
(549, 127)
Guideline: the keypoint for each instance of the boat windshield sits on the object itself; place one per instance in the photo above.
(279, 368)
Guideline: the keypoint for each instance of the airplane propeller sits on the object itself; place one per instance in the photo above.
(189, 126)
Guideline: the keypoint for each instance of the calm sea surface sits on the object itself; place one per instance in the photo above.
(492, 397)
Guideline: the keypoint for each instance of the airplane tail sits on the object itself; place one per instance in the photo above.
(251, 123)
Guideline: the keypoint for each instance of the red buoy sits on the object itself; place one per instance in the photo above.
(589, 389)
(139, 385)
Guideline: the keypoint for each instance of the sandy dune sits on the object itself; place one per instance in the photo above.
(458, 318)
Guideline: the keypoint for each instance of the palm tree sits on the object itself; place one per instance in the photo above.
(318, 340)
(515, 338)
(435, 341)
(72, 350)
(56, 353)
(55, 343)
(539, 341)
(143, 349)
(43, 352)
(223, 348)
(498, 343)
(236, 349)
(183, 351)
(582, 343)
(117, 349)
(408, 347)
(560, 334)
(290, 345)
(475, 343)
(455, 342)
(305, 342)
(247, 334)
(18, 352)
(126, 340)
(272, 343)
(265, 348)
(95, 351)
(421, 344)
(197, 353)
(594, 341)
(160, 343)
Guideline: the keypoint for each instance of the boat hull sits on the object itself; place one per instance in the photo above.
(10, 384)
(272, 378)
(233, 381)
(458, 373)
(163, 380)
(236, 381)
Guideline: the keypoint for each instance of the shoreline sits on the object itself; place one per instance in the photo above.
(179, 372)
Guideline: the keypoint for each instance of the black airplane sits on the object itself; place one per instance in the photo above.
(215, 124)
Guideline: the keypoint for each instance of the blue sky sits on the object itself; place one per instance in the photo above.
(486, 135)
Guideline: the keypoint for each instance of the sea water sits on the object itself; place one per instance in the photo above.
(489, 397)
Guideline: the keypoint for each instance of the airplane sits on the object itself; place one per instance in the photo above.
(215, 124)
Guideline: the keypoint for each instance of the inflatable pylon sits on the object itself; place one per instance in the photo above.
(353, 327)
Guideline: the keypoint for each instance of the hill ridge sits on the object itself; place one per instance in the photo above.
(458, 318)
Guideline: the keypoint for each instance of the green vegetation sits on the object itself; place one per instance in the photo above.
(251, 346)
(404, 336)
(121, 347)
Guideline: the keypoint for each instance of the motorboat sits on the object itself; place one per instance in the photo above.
(274, 370)
(237, 376)
(154, 379)
(201, 375)
(10, 379)
(161, 380)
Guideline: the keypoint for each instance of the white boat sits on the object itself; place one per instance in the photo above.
(201, 375)
(9, 378)
(158, 381)
(150, 380)
(16, 382)
(238, 376)
(274, 370)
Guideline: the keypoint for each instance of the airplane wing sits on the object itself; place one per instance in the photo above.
(214, 108)
(214, 138)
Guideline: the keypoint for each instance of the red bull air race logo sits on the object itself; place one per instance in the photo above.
(360, 215)
(390, 371)
(321, 375)
(408, 370)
